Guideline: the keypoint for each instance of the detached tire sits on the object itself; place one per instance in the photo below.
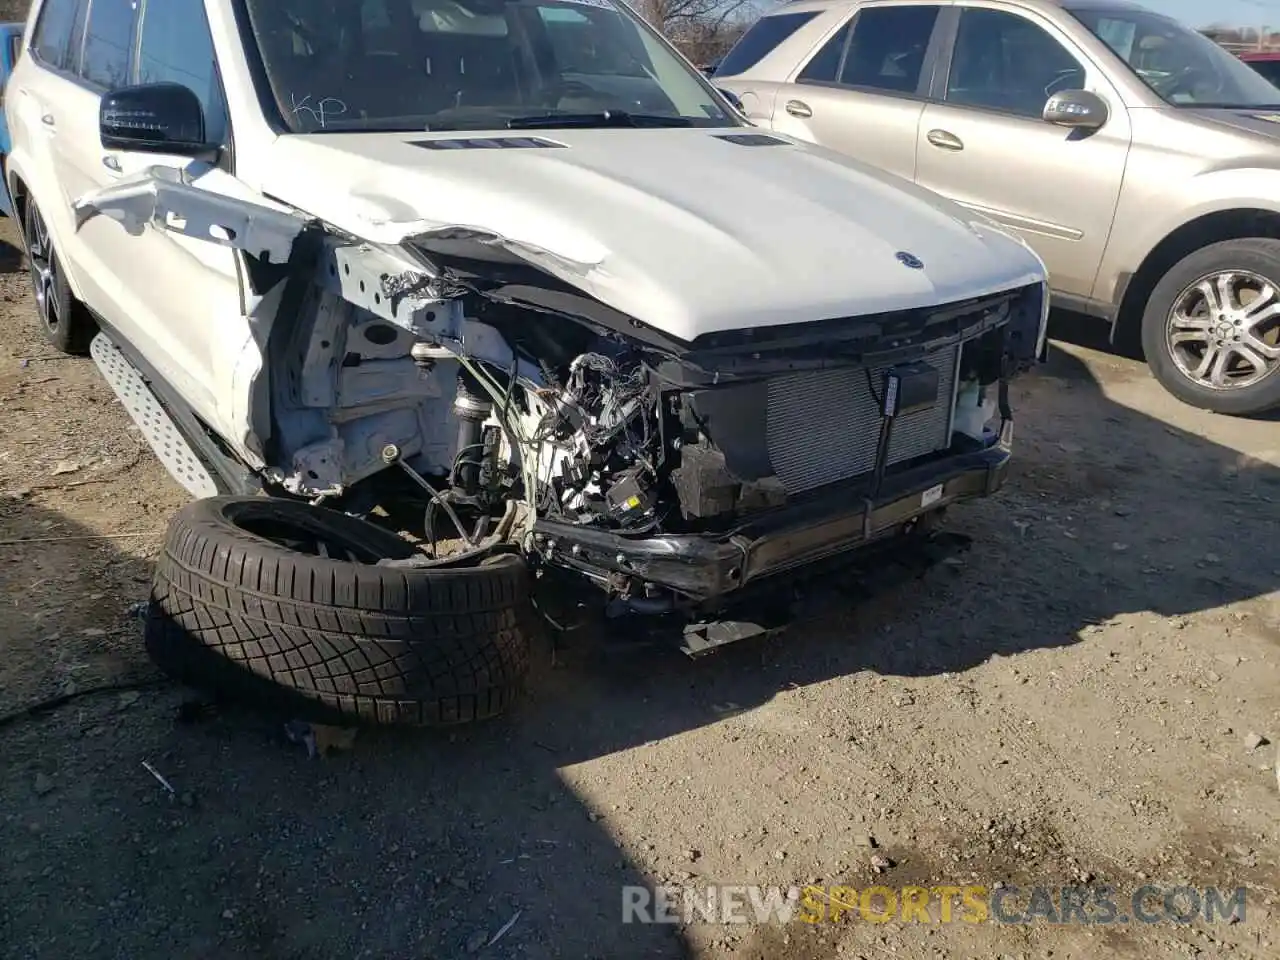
(249, 601)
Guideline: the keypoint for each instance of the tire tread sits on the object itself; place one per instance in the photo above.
(335, 639)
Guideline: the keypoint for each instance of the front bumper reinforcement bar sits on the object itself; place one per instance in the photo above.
(704, 567)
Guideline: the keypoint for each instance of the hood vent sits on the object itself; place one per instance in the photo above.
(751, 139)
(485, 143)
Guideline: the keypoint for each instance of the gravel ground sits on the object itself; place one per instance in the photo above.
(1075, 700)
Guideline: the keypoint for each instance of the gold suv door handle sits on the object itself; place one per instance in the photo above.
(798, 108)
(944, 140)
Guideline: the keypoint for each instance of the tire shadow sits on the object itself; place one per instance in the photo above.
(12, 259)
(430, 844)
(135, 826)
(66, 626)
(1094, 334)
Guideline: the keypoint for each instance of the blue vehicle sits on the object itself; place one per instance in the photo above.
(10, 47)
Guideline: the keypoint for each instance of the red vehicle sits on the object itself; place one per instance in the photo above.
(1266, 63)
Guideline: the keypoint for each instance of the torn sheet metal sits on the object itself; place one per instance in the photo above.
(167, 198)
(390, 222)
(399, 291)
(391, 287)
(573, 269)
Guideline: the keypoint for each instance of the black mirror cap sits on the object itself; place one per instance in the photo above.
(153, 118)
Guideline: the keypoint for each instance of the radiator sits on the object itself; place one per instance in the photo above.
(824, 425)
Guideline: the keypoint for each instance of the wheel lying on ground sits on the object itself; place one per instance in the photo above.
(65, 321)
(281, 603)
(1211, 328)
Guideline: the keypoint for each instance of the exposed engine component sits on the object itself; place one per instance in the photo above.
(602, 449)
(605, 450)
(472, 408)
(629, 497)
(703, 483)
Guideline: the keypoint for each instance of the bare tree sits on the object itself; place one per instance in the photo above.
(703, 29)
(668, 14)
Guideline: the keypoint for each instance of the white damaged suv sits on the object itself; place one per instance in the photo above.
(483, 295)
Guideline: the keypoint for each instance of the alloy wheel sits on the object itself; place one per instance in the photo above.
(44, 271)
(1223, 331)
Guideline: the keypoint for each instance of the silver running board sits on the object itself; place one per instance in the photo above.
(158, 429)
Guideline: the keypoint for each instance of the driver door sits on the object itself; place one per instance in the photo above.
(983, 142)
(174, 299)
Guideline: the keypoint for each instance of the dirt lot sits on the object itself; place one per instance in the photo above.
(1069, 704)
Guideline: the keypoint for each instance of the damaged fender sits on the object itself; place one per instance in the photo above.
(169, 197)
(285, 254)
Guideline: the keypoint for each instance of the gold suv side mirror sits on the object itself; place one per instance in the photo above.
(1076, 108)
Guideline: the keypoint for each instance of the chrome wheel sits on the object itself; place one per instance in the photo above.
(44, 271)
(1223, 331)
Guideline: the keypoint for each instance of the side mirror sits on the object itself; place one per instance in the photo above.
(153, 118)
(733, 99)
(1079, 109)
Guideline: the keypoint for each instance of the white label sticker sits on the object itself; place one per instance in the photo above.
(932, 495)
(602, 4)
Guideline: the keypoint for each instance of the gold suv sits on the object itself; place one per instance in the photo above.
(1139, 159)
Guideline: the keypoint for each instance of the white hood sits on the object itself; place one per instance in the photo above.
(678, 228)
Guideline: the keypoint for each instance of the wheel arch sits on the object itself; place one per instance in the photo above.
(21, 193)
(18, 193)
(1237, 223)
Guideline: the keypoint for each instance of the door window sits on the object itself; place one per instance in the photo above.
(175, 46)
(888, 47)
(824, 67)
(1268, 68)
(52, 38)
(108, 42)
(1005, 62)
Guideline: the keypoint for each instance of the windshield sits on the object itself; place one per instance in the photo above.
(344, 65)
(1183, 67)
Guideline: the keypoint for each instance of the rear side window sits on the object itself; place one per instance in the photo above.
(1270, 69)
(824, 67)
(760, 40)
(52, 38)
(888, 48)
(108, 42)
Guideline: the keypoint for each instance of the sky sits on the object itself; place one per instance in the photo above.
(1201, 13)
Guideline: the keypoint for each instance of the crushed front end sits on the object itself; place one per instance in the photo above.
(485, 386)
(681, 483)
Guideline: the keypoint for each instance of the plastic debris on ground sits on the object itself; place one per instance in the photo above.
(318, 738)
